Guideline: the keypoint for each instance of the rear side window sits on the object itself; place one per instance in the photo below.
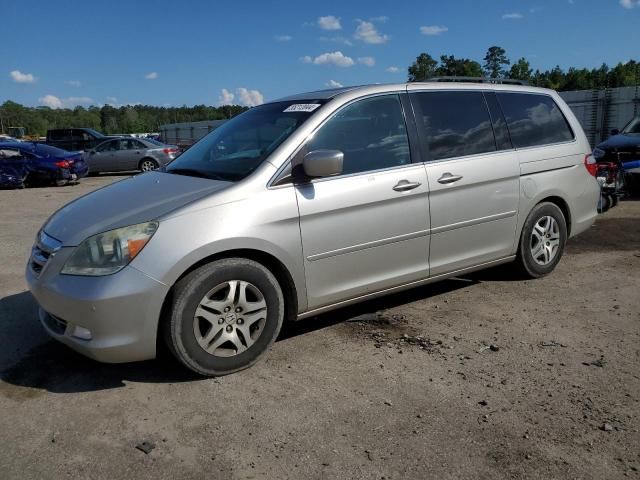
(453, 124)
(58, 134)
(534, 120)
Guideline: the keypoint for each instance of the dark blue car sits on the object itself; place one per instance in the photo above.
(29, 164)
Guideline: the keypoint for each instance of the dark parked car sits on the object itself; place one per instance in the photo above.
(126, 154)
(623, 148)
(26, 163)
(75, 138)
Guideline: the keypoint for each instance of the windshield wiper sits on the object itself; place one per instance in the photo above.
(192, 172)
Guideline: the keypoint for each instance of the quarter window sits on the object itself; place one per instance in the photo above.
(371, 133)
(534, 119)
(454, 124)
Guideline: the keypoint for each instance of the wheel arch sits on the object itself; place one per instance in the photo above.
(269, 261)
(562, 204)
(147, 158)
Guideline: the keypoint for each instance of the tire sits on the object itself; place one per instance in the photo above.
(555, 237)
(147, 165)
(202, 316)
(604, 203)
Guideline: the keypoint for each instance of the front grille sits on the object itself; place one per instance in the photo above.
(44, 248)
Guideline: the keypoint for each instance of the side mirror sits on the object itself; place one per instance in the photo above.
(323, 163)
(615, 131)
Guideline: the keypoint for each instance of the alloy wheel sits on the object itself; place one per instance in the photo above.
(230, 318)
(545, 240)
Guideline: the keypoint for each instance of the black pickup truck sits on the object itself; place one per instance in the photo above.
(75, 138)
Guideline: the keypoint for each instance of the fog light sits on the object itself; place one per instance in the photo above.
(81, 333)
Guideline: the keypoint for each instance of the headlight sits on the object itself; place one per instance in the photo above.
(109, 252)
(598, 153)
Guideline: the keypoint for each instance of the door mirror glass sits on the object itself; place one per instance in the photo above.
(323, 163)
(615, 131)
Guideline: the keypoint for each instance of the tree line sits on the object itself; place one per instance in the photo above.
(108, 119)
(146, 118)
(496, 64)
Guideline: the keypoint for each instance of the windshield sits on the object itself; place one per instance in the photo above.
(239, 146)
(633, 127)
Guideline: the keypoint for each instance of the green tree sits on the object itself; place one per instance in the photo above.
(495, 62)
(521, 70)
(423, 68)
(458, 67)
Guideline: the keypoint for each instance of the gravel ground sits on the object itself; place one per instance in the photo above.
(485, 376)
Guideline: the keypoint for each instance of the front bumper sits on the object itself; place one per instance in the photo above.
(121, 311)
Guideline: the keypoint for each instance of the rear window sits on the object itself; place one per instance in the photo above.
(534, 120)
(454, 124)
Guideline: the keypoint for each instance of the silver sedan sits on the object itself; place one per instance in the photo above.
(126, 154)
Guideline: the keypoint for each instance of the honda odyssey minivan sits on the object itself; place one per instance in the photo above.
(309, 203)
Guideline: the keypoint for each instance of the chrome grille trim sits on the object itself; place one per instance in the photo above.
(44, 248)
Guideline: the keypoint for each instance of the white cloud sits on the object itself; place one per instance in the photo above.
(52, 101)
(337, 39)
(512, 16)
(393, 69)
(380, 19)
(333, 84)
(111, 100)
(330, 58)
(368, 61)
(19, 77)
(630, 3)
(283, 38)
(368, 33)
(73, 83)
(249, 98)
(329, 23)
(226, 97)
(432, 30)
(151, 75)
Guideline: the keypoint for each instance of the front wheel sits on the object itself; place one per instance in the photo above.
(224, 316)
(542, 241)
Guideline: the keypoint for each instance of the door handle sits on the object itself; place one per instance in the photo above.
(406, 185)
(449, 178)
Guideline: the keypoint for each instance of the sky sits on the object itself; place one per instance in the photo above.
(65, 53)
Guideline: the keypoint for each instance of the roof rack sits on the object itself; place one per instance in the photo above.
(507, 81)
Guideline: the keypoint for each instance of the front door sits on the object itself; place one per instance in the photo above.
(474, 178)
(367, 229)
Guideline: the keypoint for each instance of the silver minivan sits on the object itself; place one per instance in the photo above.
(309, 203)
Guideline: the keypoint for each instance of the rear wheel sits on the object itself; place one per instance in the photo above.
(224, 316)
(542, 241)
(148, 164)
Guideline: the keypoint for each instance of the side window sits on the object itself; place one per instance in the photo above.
(371, 133)
(136, 145)
(107, 146)
(500, 131)
(534, 119)
(57, 135)
(454, 123)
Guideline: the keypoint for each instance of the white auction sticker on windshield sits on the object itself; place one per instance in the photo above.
(302, 107)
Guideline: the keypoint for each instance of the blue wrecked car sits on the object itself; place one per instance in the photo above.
(24, 164)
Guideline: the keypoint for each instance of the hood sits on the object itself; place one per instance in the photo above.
(134, 200)
(621, 141)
